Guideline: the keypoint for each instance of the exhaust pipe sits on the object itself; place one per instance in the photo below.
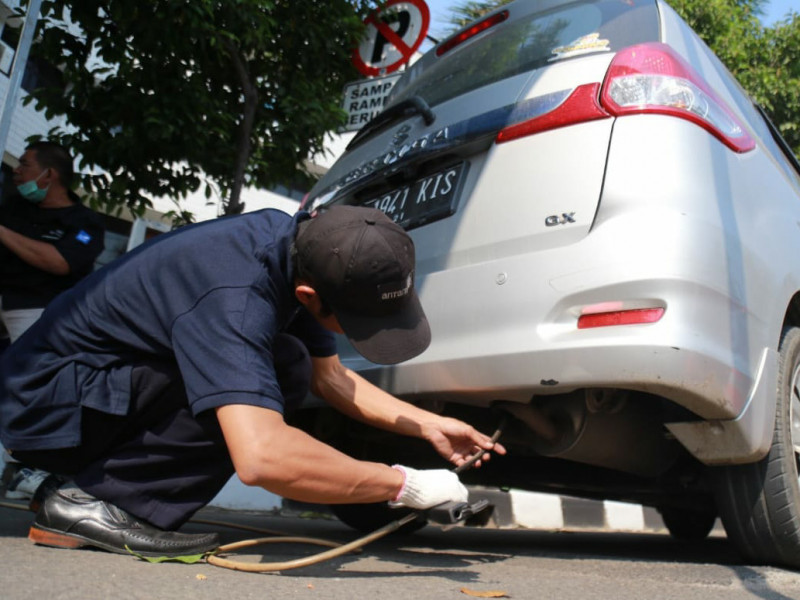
(604, 428)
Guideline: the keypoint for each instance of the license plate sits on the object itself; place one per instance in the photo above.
(427, 199)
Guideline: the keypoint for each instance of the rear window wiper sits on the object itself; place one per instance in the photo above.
(415, 105)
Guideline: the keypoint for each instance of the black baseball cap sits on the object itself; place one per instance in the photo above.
(361, 263)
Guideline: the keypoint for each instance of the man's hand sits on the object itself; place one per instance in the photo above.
(428, 488)
(457, 442)
(38, 254)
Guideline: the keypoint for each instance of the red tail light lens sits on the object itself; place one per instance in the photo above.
(620, 317)
(580, 106)
(653, 78)
(648, 78)
(479, 27)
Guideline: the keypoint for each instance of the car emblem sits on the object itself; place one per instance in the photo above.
(565, 218)
(401, 135)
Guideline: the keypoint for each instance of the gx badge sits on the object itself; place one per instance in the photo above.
(565, 218)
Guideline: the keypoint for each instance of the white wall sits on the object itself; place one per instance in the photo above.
(25, 122)
(204, 210)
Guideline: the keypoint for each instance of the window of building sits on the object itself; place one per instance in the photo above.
(38, 73)
(6, 182)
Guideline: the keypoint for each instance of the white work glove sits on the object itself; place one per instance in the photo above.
(429, 488)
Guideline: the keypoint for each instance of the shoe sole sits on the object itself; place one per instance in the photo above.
(57, 539)
(54, 539)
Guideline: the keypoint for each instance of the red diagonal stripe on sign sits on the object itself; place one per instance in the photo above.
(390, 35)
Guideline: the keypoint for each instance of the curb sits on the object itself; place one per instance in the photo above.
(535, 510)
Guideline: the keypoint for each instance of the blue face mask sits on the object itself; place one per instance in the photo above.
(32, 192)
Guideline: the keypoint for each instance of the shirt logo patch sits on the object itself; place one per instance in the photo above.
(53, 234)
(83, 237)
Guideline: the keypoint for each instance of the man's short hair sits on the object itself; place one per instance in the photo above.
(51, 155)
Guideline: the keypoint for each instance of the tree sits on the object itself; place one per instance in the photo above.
(165, 96)
(765, 60)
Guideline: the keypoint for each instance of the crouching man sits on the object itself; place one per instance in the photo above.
(145, 387)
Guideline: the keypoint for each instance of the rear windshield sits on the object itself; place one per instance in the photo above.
(532, 41)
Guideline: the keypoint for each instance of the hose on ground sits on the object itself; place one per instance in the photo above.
(339, 550)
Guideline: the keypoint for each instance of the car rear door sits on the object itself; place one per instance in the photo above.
(494, 143)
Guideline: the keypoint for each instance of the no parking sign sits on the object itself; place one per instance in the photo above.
(393, 35)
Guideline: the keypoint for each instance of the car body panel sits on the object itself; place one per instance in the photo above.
(614, 214)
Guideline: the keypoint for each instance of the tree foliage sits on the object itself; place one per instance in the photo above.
(166, 96)
(765, 60)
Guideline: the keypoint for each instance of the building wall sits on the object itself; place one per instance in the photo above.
(26, 120)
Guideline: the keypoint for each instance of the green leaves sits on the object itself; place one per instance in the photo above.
(155, 96)
(189, 560)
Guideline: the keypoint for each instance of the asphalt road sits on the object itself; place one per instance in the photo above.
(432, 564)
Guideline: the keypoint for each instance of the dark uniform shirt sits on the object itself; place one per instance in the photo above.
(77, 233)
(210, 297)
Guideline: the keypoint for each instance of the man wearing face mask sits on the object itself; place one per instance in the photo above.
(48, 239)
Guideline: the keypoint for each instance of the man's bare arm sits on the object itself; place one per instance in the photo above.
(38, 254)
(354, 396)
(268, 453)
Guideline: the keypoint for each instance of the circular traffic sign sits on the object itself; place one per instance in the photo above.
(393, 35)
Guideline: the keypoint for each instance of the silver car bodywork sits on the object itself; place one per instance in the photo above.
(613, 214)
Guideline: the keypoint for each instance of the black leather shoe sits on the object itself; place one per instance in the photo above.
(71, 518)
(48, 486)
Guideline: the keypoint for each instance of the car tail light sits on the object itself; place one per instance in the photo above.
(648, 78)
(479, 27)
(653, 78)
(580, 106)
(620, 317)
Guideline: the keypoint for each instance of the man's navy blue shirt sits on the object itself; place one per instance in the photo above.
(210, 297)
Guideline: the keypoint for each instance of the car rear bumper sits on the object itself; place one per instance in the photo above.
(514, 333)
(737, 408)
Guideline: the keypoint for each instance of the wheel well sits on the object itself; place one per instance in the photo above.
(793, 312)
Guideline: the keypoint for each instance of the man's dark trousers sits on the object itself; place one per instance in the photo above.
(159, 462)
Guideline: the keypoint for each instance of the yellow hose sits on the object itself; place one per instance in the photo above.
(336, 551)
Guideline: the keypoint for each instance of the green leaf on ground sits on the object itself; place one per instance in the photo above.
(189, 560)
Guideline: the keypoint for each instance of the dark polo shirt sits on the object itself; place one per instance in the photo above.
(210, 297)
(76, 232)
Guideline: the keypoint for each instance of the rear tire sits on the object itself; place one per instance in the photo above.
(759, 503)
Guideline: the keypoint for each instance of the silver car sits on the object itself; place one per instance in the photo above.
(608, 251)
